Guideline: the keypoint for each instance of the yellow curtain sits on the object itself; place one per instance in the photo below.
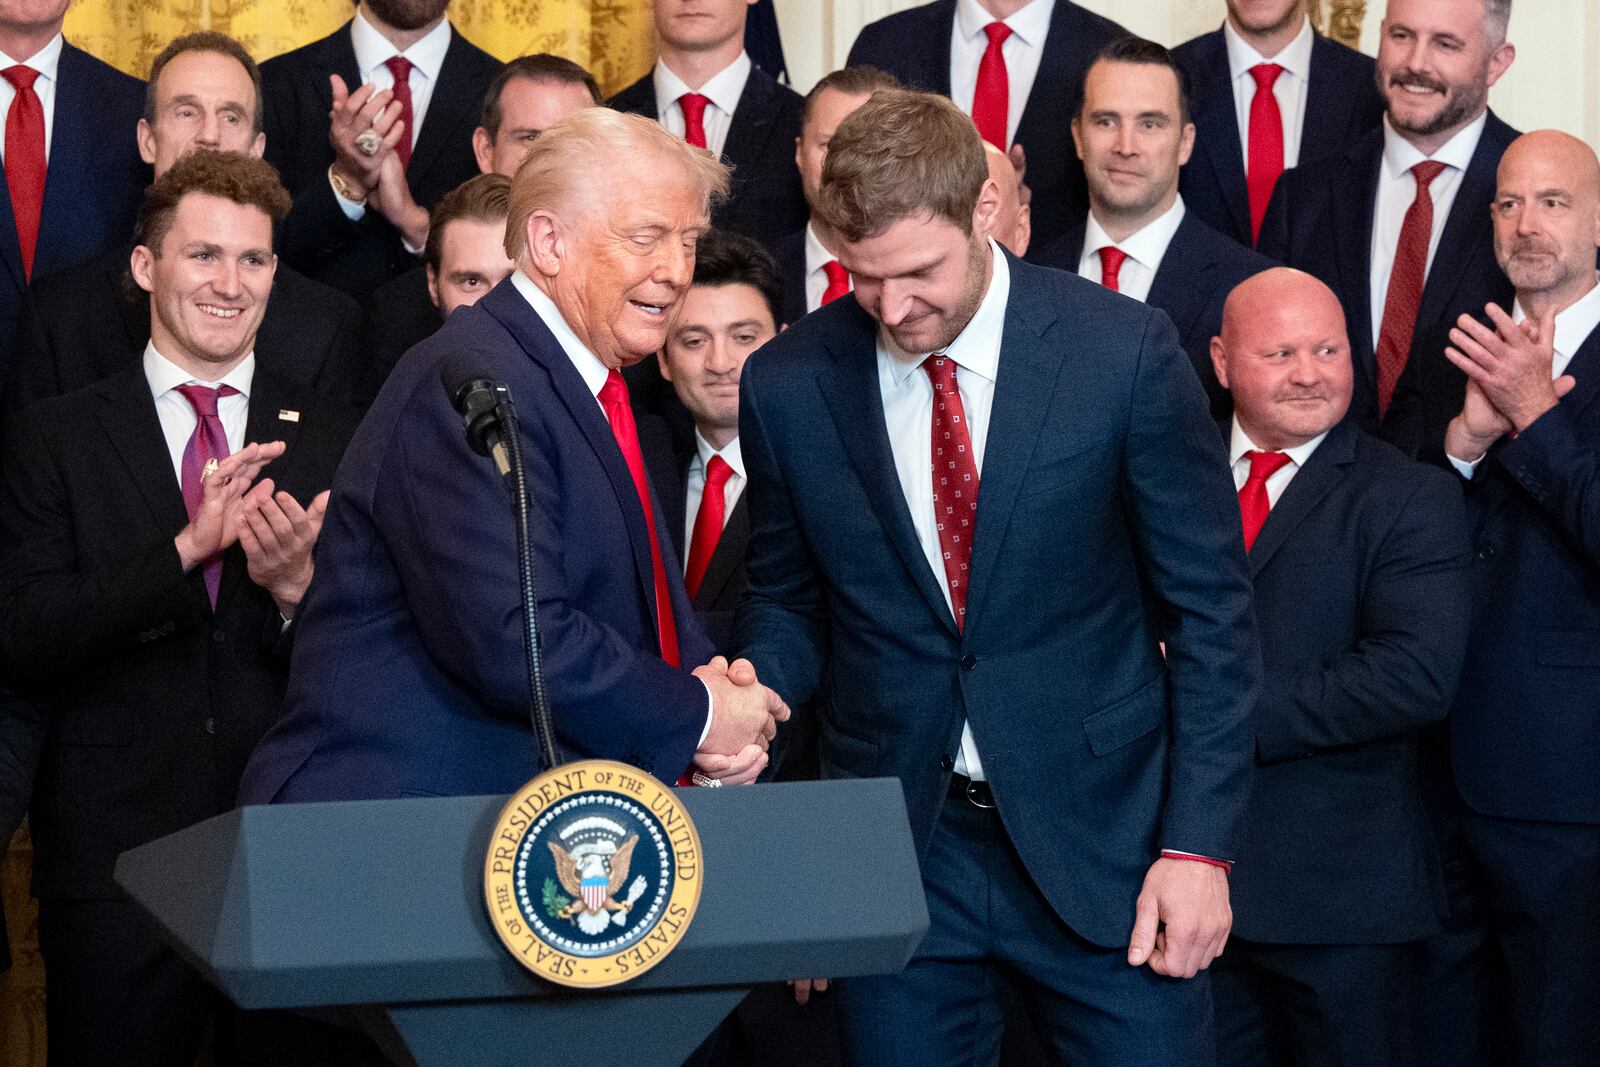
(610, 37)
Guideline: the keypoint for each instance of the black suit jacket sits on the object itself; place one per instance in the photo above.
(766, 200)
(308, 333)
(914, 46)
(790, 252)
(1342, 104)
(94, 183)
(1361, 600)
(1320, 220)
(152, 700)
(402, 313)
(1200, 268)
(318, 237)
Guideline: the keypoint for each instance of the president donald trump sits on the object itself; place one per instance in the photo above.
(408, 676)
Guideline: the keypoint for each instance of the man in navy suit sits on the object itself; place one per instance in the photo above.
(997, 647)
(1139, 237)
(1359, 557)
(1398, 225)
(1016, 66)
(1523, 837)
(705, 89)
(74, 177)
(408, 675)
(1269, 94)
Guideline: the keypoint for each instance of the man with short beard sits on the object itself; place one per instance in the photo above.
(399, 79)
(1399, 225)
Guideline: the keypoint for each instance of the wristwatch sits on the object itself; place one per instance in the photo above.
(345, 190)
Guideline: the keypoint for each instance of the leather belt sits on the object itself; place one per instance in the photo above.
(972, 790)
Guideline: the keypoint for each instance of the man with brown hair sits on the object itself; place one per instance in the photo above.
(153, 559)
(981, 494)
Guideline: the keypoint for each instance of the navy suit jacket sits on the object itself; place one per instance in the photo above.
(408, 676)
(914, 46)
(766, 200)
(1320, 221)
(1198, 271)
(1105, 519)
(94, 184)
(1524, 732)
(1342, 104)
(1361, 597)
(790, 252)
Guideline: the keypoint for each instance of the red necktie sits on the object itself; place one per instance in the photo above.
(1406, 279)
(614, 398)
(1111, 260)
(208, 442)
(1266, 144)
(838, 281)
(400, 67)
(25, 162)
(991, 97)
(693, 106)
(707, 524)
(1253, 503)
(955, 481)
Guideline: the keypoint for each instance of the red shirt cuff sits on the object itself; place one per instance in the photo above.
(1169, 854)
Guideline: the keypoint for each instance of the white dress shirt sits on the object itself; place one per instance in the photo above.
(816, 278)
(1145, 248)
(696, 485)
(594, 374)
(1022, 51)
(1396, 191)
(46, 61)
(1240, 443)
(1289, 89)
(723, 91)
(908, 411)
(1574, 325)
(177, 415)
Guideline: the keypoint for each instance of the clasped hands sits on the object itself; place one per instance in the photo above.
(380, 176)
(1509, 384)
(744, 719)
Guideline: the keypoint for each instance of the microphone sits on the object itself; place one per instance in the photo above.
(484, 406)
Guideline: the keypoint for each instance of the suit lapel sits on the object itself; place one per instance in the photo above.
(126, 413)
(10, 250)
(1177, 286)
(1325, 469)
(1463, 240)
(728, 557)
(1217, 127)
(1352, 232)
(1054, 87)
(443, 128)
(1326, 112)
(752, 122)
(1585, 370)
(268, 398)
(666, 475)
(71, 157)
(133, 311)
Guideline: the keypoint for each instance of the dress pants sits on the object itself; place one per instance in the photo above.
(1315, 1005)
(990, 923)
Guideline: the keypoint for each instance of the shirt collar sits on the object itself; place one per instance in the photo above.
(46, 60)
(1574, 324)
(373, 49)
(1145, 246)
(1030, 24)
(1400, 155)
(977, 347)
(723, 88)
(1295, 57)
(730, 453)
(1239, 443)
(816, 252)
(165, 375)
(593, 371)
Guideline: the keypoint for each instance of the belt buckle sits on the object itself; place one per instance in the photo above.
(975, 789)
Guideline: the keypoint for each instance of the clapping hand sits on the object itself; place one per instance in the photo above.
(215, 524)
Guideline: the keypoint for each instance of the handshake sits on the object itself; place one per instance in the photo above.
(744, 719)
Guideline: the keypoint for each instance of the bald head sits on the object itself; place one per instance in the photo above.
(1013, 226)
(1547, 217)
(1284, 354)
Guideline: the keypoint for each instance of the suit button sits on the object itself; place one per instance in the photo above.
(219, 637)
(1485, 552)
(211, 726)
(946, 763)
(968, 661)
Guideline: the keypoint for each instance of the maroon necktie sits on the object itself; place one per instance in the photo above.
(208, 442)
(991, 97)
(1266, 144)
(838, 281)
(955, 481)
(400, 67)
(1111, 260)
(1253, 502)
(707, 523)
(25, 162)
(693, 106)
(1406, 279)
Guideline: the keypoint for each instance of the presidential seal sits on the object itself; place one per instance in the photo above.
(593, 873)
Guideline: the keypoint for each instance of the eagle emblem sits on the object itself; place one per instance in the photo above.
(594, 877)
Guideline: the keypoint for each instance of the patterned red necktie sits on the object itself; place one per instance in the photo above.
(991, 97)
(25, 162)
(1406, 279)
(707, 524)
(838, 281)
(1265, 151)
(1111, 260)
(400, 67)
(693, 106)
(955, 481)
(207, 442)
(1254, 504)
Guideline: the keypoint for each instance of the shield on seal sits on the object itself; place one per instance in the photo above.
(595, 891)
